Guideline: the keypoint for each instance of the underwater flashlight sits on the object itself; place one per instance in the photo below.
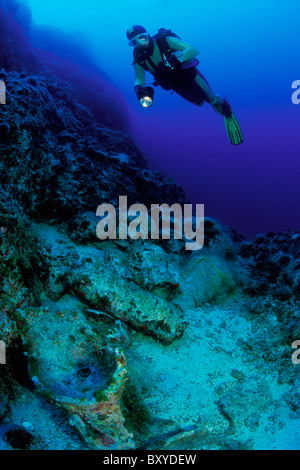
(146, 101)
(145, 96)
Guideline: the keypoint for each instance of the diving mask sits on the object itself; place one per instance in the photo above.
(140, 40)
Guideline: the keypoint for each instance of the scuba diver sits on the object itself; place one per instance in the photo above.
(173, 64)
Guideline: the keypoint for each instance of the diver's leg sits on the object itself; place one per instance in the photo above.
(190, 93)
(220, 105)
(202, 83)
(200, 91)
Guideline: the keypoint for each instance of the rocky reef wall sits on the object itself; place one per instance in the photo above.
(31, 49)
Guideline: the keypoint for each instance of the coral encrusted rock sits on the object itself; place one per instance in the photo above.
(74, 365)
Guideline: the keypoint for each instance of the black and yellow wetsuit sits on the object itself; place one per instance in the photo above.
(174, 67)
(185, 80)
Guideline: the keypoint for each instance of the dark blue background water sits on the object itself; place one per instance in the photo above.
(249, 52)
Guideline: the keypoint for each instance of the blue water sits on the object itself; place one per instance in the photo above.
(249, 52)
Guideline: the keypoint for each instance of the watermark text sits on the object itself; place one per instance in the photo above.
(296, 94)
(296, 354)
(136, 222)
(2, 92)
(2, 353)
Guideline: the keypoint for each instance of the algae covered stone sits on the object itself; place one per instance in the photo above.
(75, 366)
(105, 290)
(206, 277)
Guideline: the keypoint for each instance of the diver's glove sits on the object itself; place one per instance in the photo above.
(171, 63)
(139, 90)
(142, 91)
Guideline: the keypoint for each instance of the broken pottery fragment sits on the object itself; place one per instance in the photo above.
(75, 366)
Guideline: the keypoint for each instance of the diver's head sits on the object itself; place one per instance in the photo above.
(138, 36)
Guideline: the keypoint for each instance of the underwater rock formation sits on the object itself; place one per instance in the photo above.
(106, 291)
(62, 163)
(4, 129)
(273, 261)
(22, 265)
(32, 50)
(80, 369)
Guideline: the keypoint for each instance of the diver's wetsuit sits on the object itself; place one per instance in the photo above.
(188, 83)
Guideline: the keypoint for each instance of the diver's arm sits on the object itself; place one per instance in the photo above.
(139, 84)
(188, 51)
(139, 75)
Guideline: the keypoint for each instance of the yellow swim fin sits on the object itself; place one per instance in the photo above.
(233, 130)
